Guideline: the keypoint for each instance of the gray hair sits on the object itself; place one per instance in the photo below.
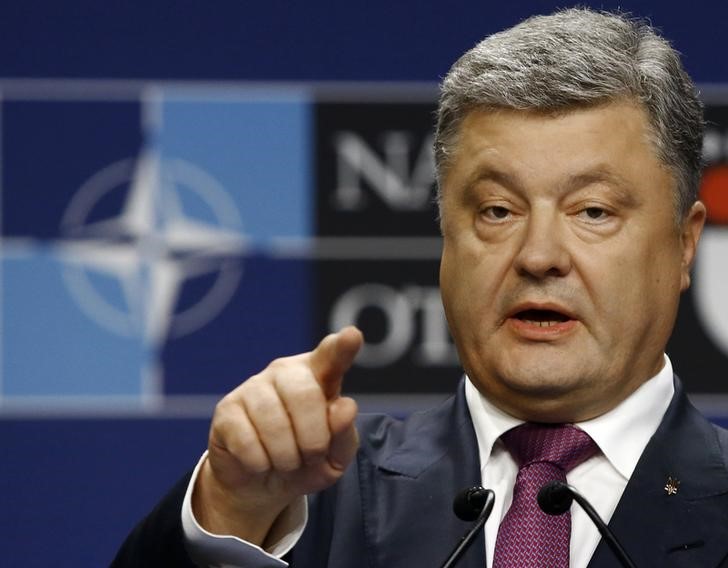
(580, 58)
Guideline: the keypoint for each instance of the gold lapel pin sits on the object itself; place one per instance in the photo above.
(672, 485)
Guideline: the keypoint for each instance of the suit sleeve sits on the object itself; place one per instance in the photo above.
(158, 539)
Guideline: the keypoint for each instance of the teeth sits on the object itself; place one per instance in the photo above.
(542, 323)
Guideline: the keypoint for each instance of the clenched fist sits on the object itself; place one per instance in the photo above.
(284, 433)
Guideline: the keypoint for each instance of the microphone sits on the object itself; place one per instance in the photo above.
(555, 498)
(470, 504)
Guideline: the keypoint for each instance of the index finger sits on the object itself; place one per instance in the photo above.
(333, 357)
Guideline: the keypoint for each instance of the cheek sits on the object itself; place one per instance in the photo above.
(470, 279)
(611, 274)
(448, 289)
(631, 290)
(455, 282)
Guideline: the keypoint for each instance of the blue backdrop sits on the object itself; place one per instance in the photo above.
(102, 405)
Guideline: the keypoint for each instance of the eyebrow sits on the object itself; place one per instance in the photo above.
(487, 173)
(620, 186)
(617, 183)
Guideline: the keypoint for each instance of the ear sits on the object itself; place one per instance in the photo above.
(690, 231)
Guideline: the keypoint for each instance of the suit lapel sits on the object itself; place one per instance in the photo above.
(686, 528)
(418, 466)
(410, 475)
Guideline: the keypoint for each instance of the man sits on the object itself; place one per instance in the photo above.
(568, 151)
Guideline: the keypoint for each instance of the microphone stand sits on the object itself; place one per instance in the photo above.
(555, 498)
(488, 498)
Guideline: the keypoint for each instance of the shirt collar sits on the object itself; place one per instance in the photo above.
(621, 434)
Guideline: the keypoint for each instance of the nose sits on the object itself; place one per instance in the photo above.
(543, 252)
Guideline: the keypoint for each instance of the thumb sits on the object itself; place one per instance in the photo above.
(344, 436)
(333, 357)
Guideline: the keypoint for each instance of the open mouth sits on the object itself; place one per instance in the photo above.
(541, 318)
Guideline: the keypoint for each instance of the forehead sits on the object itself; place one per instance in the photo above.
(612, 140)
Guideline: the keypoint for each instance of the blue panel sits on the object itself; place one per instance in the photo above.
(721, 421)
(259, 150)
(51, 348)
(230, 165)
(284, 40)
(50, 148)
(71, 490)
(269, 316)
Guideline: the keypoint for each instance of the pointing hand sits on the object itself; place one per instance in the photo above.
(283, 433)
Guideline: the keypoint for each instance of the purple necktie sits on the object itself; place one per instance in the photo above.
(528, 537)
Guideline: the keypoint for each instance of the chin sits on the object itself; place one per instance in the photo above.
(552, 372)
(538, 397)
(547, 387)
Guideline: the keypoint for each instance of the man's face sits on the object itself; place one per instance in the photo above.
(562, 263)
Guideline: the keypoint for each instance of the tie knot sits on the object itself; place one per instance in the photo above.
(563, 445)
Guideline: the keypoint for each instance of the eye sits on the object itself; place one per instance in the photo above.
(594, 214)
(495, 213)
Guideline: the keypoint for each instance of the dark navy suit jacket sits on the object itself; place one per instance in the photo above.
(393, 507)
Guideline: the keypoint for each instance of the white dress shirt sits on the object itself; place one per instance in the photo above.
(621, 435)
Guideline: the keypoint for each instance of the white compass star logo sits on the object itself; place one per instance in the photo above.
(152, 246)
